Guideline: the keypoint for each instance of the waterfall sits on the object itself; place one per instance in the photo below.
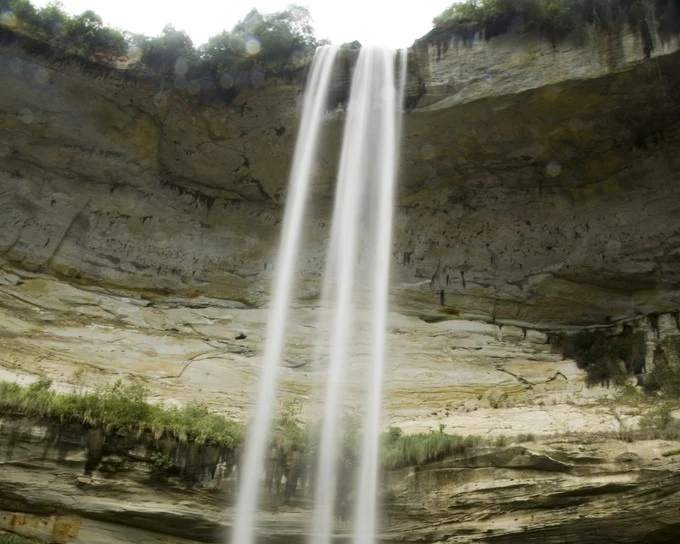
(356, 280)
(303, 161)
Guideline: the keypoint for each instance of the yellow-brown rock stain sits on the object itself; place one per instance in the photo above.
(54, 529)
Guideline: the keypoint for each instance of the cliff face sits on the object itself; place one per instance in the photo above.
(560, 490)
(538, 184)
(539, 189)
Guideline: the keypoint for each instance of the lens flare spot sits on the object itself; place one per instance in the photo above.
(7, 18)
(41, 76)
(253, 46)
(428, 151)
(181, 67)
(26, 115)
(160, 100)
(226, 81)
(194, 87)
(17, 66)
(553, 169)
(576, 123)
(298, 56)
(257, 78)
(134, 53)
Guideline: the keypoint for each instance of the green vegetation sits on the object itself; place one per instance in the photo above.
(162, 465)
(84, 34)
(501, 441)
(557, 19)
(268, 42)
(659, 422)
(664, 377)
(290, 434)
(400, 451)
(120, 406)
(259, 46)
(604, 357)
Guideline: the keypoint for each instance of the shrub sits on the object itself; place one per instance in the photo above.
(660, 423)
(602, 356)
(394, 434)
(171, 53)
(120, 406)
(52, 20)
(162, 465)
(664, 377)
(425, 447)
(259, 45)
(630, 395)
(501, 441)
(289, 433)
(86, 35)
(268, 43)
(24, 14)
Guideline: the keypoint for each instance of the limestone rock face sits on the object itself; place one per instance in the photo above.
(557, 490)
(538, 189)
(538, 184)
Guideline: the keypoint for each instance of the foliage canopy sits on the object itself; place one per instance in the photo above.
(258, 46)
(557, 19)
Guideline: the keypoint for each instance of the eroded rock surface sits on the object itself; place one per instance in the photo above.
(529, 191)
(539, 190)
(455, 373)
(562, 490)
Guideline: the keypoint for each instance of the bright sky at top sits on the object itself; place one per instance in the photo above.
(394, 23)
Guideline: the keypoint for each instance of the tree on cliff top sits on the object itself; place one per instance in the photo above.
(83, 34)
(170, 53)
(556, 19)
(268, 41)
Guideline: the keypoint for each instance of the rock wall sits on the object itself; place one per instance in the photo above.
(530, 190)
(559, 490)
(538, 193)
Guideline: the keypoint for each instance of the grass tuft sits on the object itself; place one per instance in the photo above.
(120, 406)
(417, 449)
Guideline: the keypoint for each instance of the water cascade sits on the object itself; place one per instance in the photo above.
(356, 283)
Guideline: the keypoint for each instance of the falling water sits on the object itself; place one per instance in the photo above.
(305, 149)
(358, 262)
(365, 184)
(386, 162)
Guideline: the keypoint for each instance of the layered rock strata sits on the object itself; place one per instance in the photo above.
(538, 183)
(566, 490)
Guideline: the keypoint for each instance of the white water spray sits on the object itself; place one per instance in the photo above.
(365, 516)
(256, 443)
(360, 238)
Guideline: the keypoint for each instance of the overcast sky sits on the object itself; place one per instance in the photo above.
(395, 23)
